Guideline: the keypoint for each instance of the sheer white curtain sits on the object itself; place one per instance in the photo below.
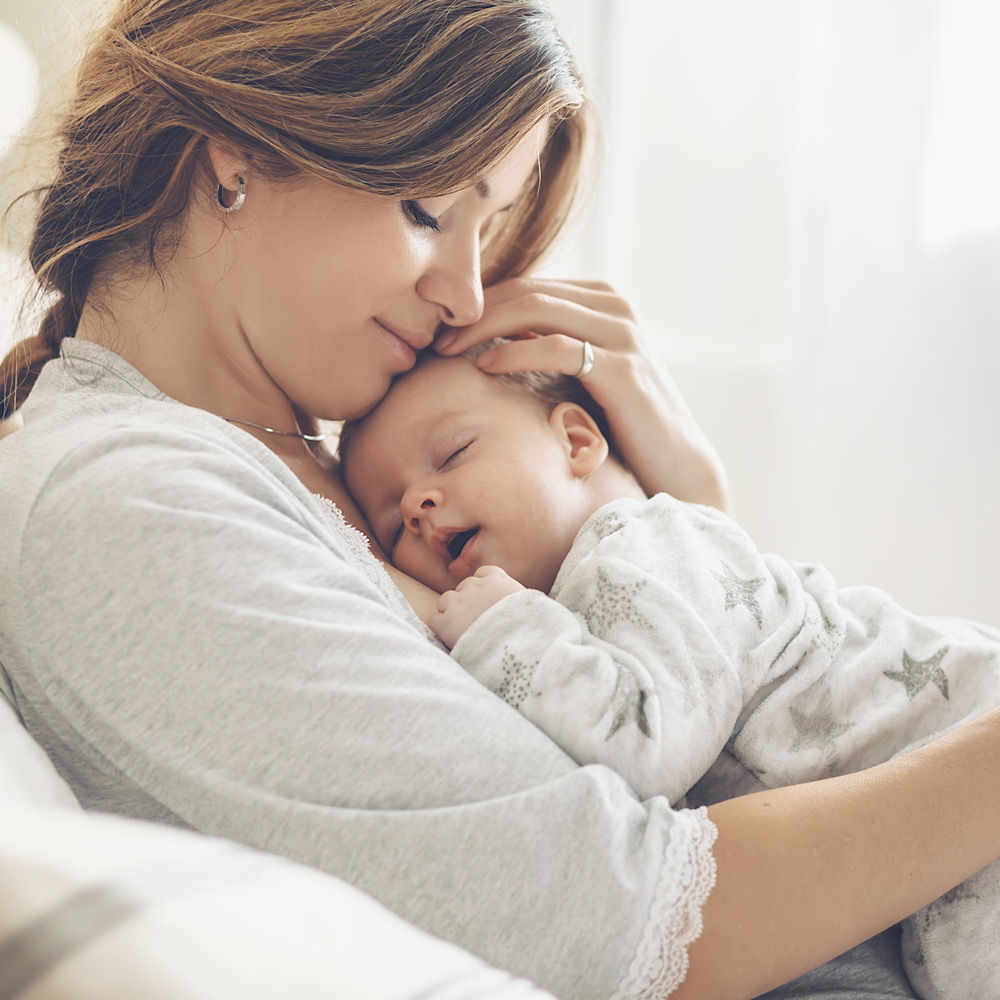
(801, 198)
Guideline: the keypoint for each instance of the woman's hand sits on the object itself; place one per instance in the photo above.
(654, 430)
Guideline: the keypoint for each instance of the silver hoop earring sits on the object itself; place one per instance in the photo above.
(241, 196)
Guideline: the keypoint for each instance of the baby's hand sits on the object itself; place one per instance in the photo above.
(457, 609)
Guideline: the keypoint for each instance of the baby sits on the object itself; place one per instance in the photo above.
(668, 647)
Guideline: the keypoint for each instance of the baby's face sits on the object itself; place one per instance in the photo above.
(455, 471)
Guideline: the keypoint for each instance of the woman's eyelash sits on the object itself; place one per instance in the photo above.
(419, 216)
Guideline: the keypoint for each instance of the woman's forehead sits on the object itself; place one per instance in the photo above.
(510, 173)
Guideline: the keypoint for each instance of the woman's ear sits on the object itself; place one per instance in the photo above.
(585, 445)
(226, 166)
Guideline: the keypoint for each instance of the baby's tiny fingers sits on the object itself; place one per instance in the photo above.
(446, 599)
(488, 570)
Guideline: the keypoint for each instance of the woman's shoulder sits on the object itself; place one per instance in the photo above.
(92, 416)
(98, 441)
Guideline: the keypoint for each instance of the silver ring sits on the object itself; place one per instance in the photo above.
(588, 360)
(241, 196)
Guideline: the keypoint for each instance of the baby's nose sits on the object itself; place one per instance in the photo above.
(416, 505)
(424, 504)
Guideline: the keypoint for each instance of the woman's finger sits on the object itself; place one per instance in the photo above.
(596, 295)
(556, 353)
(545, 315)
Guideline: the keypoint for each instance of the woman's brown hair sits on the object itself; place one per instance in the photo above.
(406, 98)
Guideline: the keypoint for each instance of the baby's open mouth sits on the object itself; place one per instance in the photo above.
(459, 541)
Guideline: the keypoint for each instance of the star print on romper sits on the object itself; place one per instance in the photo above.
(614, 606)
(609, 524)
(818, 729)
(827, 635)
(516, 683)
(917, 674)
(740, 591)
(628, 704)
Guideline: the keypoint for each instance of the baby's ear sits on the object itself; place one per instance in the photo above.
(586, 447)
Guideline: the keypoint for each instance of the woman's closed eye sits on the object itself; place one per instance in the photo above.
(419, 216)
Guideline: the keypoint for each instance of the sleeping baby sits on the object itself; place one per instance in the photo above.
(668, 647)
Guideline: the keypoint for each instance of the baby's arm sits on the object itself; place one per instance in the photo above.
(457, 609)
(659, 727)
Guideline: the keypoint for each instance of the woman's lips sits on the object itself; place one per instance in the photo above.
(403, 350)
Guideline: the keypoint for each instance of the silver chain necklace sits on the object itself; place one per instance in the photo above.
(274, 430)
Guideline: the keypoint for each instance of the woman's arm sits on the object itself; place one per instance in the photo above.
(808, 871)
(654, 430)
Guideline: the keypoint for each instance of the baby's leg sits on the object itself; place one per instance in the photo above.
(951, 949)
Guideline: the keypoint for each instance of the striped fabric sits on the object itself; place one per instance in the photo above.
(100, 908)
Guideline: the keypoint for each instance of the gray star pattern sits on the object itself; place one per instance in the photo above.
(740, 591)
(817, 729)
(614, 605)
(516, 683)
(608, 525)
(628, 704)
(963, 892)
(923, 919)
(828, 635)
(917, 674)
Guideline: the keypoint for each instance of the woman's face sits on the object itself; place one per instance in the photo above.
(333, 290)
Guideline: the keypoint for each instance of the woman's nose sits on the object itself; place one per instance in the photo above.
(454, 282)
(416, 505)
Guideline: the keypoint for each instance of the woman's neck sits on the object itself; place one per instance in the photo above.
(177, 337)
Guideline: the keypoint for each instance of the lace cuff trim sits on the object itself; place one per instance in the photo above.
(674, 922)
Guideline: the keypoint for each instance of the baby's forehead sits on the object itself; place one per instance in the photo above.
(418, 399)
(434, 386)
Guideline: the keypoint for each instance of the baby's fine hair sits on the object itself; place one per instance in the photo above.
(549, 388)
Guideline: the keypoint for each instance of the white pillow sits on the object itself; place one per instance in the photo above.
(27, 776)
(100, 908)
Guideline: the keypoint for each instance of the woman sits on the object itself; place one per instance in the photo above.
(263, 209)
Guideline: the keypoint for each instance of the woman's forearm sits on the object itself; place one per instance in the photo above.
(808, 871)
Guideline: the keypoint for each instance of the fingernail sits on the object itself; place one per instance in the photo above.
(486, 359)
(445, 341)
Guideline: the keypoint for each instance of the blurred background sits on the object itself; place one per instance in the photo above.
(800, 198)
